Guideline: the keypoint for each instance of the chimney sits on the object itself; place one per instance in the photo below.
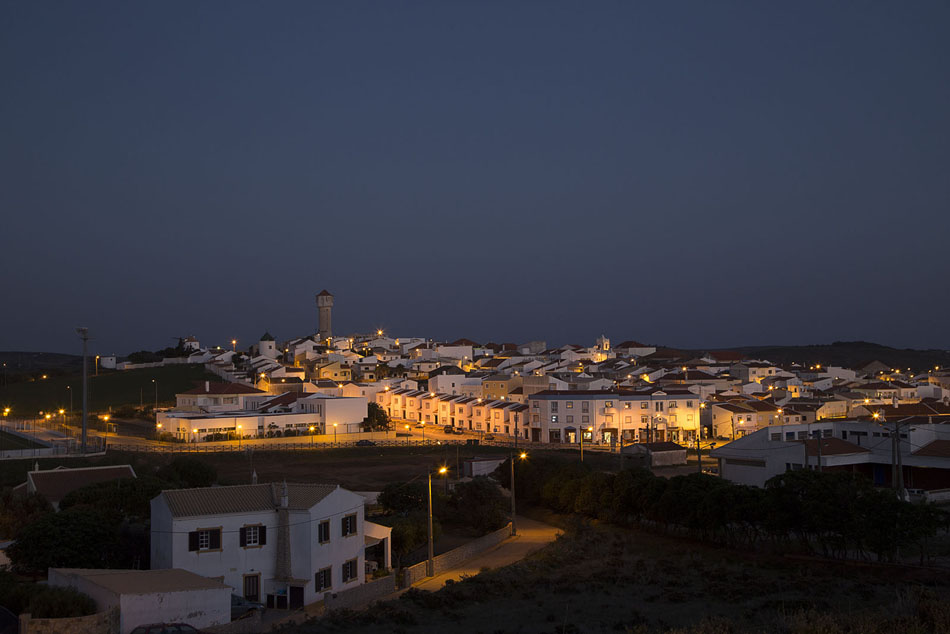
(207, 386)
(284, 496)
(254, 476)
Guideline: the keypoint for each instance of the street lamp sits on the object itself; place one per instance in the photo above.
(699, 454)
(195, 438)
(430, 564)
(311, 436)
(407, 435)
(62, 413)
(97, 366)
(590, 429)
(240, 434)
(155, 381)
(334, 433)
(511, 458)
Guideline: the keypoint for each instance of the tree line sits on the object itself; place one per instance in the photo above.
(833, 514)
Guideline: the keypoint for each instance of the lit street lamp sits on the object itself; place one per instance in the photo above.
(155, 381)
(407, 435)
(62, 413)
(511, 458)
(590, 429)
(311, 436)
(334, 433)
(240, 435)
(430, 564)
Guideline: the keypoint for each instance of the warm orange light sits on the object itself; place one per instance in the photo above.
(194, 431)
(62, 411)
(443, 469)
(523, 455)
(159, 425)
(311, 428)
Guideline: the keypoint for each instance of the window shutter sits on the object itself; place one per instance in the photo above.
(343, 526)
(261, 535)
(243, 536)
(192, 541)
(215, 539)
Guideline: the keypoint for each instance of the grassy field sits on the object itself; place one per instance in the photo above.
(109, 389)
(599, 578)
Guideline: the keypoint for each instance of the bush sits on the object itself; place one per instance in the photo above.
(42, 601)
(188, 472)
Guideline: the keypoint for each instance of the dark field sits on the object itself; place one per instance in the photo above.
(605, 579)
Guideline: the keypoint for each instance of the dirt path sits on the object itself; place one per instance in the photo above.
(532, 535)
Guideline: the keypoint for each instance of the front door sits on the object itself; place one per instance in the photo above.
(296, 597)
(252, 587)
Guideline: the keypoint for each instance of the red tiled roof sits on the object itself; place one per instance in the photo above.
(55, 484)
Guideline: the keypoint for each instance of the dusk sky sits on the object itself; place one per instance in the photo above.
(693, 174)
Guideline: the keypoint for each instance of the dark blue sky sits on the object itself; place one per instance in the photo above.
(700, 174)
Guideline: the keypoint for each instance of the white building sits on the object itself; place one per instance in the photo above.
(150, 596)
(284, 545)
(214, 396)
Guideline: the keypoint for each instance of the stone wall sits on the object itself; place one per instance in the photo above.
(451, 559)
(362, 594)
(99, 623)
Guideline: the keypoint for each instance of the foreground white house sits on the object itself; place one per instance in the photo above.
(281, 544)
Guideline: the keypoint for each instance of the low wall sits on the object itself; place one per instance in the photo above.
(361, 595)
(248, 625)
(99, 623)
(452, 558)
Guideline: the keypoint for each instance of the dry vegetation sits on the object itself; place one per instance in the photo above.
(601, 578)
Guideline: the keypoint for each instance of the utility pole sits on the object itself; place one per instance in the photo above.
(900, 461)
(84, 335)
(511, 458)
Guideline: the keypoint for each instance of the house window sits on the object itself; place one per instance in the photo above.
(570, 418)
(609, 404)
(585, 419)
(672, 404)
(349, 570)
(570, 405)
(627, 419)
(775, 436)
(644, 419)
(554, 418)
(323, 531)
(644, 405)
(585, 406)
(689, 403)
(252, 536)
(323, 580)
(349, 525)
(204, 539)
(554, 406)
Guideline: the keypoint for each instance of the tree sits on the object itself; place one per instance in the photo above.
(82, 537)
(480, 504)
(376, 418)
(20, 509)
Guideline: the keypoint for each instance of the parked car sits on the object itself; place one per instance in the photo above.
(364, 443)
(418, 425)
(165, 628)
(457, 431)
(488, 437)
(448, 429)
(711, 470)
(241, 607)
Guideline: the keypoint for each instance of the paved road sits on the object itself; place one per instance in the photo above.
(532, 535)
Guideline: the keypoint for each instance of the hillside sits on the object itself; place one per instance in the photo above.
(850, 354)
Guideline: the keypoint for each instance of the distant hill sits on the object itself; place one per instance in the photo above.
(16, 363)
(850, 354)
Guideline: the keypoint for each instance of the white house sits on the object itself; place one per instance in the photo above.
(214, 396)
(284, 545)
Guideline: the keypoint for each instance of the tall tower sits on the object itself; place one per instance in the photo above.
(325, 306)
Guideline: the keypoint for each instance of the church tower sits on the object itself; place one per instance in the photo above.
(325, 306)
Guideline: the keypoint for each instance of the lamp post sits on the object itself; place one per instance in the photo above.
(590, 429)
(233, 345)
(240, 435)
(97, 365)
(195, 438)
(62, 413)
(511, 458)
(699, 454)
(408, 437)
(430, 564)
(155, 381)
(334, 433)
(6, 412)
(311, 436)
(105, 419)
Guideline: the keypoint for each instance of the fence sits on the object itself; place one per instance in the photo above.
(100, 623)
(361, 595)
(236, 446)
(452, 558)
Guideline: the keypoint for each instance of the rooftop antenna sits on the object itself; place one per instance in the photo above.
(84, 335)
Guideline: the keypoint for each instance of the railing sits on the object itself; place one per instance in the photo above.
(235, 446)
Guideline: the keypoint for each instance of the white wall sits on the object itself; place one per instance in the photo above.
(198, 608)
